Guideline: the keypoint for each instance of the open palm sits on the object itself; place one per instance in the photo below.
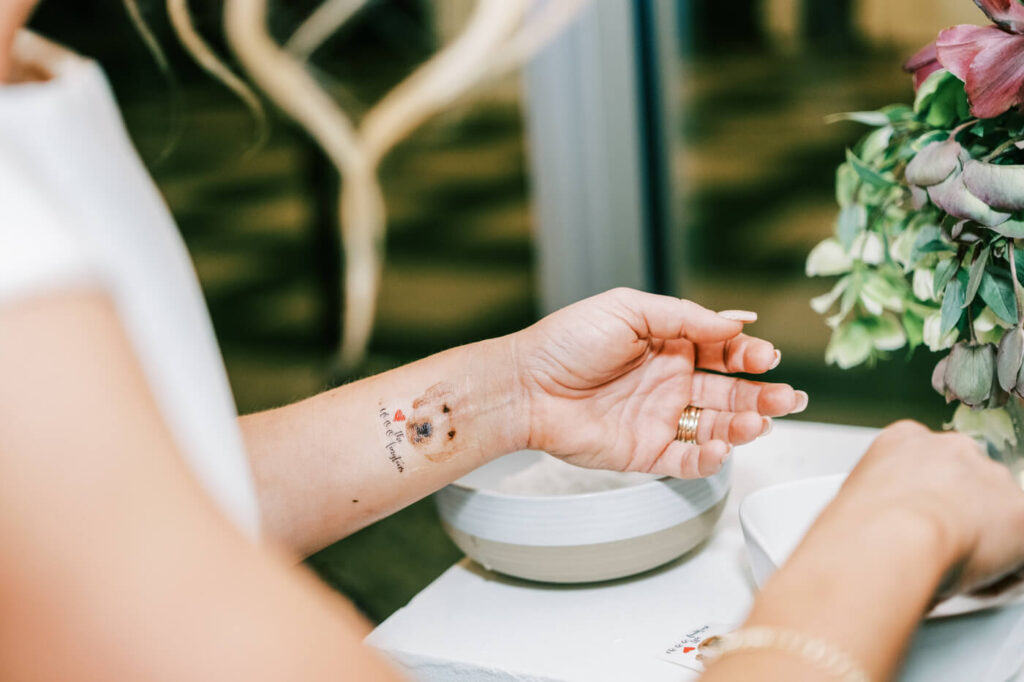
(607, 379)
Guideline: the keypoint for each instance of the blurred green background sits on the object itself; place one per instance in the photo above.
(758, 79)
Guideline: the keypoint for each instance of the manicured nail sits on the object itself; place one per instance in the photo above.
(725, 458)
(766, 425)
(801, 402)
(744, 316)
(777, 360)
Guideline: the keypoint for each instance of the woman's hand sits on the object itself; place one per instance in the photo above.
(945, 480)
(606, 380)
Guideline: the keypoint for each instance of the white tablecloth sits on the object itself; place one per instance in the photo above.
(475, 625)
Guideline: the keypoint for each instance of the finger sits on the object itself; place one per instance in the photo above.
(735, 428)
(998, 586)
(902, 430)
(741, 353)
(666, 317)
(733, 394)
(686, 460)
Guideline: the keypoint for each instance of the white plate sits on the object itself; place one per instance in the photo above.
(776, 518)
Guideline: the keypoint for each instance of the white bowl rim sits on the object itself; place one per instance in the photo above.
(580, 518)
(577, 496)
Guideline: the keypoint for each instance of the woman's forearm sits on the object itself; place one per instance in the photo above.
(333, 463)
(862, 587)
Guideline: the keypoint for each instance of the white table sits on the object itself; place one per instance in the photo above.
(474, 625)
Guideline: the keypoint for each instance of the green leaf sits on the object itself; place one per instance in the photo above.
(944, 101)
(944, 272)
(850, 296)
(977, 270)
(914, 325)
(847, 182)
(850, 345)
(997, 293)
(870, 118)
(887, 334)
(1014, 229)
(853, 219)
(875, 144)
(869, 174)
(926, 235)
(931, 136)
(926, 91)
(897, 112)
(952, 307)
(993, 425)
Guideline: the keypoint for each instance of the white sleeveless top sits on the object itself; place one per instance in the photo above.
(78, 210)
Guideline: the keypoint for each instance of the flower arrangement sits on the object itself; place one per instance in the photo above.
(931, 225)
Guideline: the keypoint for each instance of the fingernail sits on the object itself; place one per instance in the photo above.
(744, 316)
(725, 458)
(766, 426)
(777, 360)
(801, 402)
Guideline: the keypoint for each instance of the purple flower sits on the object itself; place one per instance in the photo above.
(988, 59)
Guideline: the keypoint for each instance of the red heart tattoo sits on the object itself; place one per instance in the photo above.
(399, 416)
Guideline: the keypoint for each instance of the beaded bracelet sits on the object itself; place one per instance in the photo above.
(814, 651)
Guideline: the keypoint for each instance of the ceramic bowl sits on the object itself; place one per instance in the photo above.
(578, 537)
(775, 520)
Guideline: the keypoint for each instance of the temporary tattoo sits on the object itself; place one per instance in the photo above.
(393, 436)
(420, 431)
(430, 428)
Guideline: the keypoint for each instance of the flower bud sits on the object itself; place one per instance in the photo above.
(934, 163)
(1010, 358)
(828, 258)
(970, 373)
(939, 376)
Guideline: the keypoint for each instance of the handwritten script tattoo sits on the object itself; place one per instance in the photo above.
(394, 438)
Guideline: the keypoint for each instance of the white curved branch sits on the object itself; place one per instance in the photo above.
(458, 67)
(204, 56)
(493, 40)
(320, 25)
(361, 206)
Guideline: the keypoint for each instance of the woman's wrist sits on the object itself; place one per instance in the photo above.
(861, 580)
(498, 396)
(916, 528)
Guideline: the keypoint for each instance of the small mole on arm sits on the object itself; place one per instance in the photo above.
(451, 434)
(446, 409)
(354, 501)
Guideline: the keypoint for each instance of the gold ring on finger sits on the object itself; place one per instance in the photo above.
(688, 420)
